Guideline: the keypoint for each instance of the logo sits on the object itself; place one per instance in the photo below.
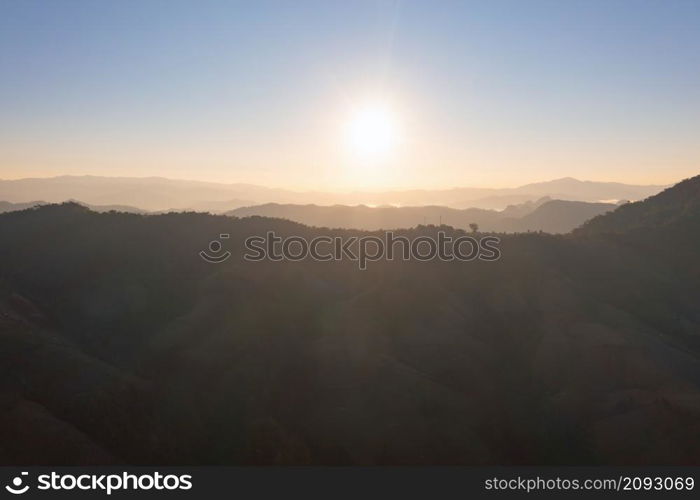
(215, 248)
(16, 487)
(442, 246)
(107, 483)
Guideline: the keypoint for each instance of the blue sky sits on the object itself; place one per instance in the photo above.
(483, 93)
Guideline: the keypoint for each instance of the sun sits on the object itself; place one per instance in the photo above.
(372, 132)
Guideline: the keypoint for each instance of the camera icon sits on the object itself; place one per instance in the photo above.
(214, 255)
(16, 487)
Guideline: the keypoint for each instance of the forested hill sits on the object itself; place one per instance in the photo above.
(676, 206)
(120, 344)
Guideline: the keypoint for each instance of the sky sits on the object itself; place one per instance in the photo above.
(489, 94)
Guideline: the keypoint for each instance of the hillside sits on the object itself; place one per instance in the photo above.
(674, 206)
(370, 218)
(570, 349)
(553, 216)
(6, 206)
(558, 216)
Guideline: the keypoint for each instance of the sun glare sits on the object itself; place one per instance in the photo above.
(372, 133)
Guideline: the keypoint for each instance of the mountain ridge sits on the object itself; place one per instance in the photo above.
(670, 206)
(553, 216)
(158, 194)
(122, 344)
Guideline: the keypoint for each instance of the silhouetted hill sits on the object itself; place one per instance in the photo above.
(522, 209)
(676, 205)
(121, 344)
(60, 405)
(554, 216)
(371, 218)
(6, 206)
(559, 216)
(578, 190)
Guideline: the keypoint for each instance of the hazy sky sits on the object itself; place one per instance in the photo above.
(479, 93)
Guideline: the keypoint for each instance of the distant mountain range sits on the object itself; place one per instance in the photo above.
(6, 206)
(552, 216)
(160, 194)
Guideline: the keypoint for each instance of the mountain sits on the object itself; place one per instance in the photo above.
(674, 206)
(148, 193)
(369, 218)
(575, 189)
(498, 202)
(160, 194)
(554, 216)
(522, 209)
(558, 216)
(120, 344)
(6, 206)
(59, 404)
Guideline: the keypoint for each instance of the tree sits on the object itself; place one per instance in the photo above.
(474, 227)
